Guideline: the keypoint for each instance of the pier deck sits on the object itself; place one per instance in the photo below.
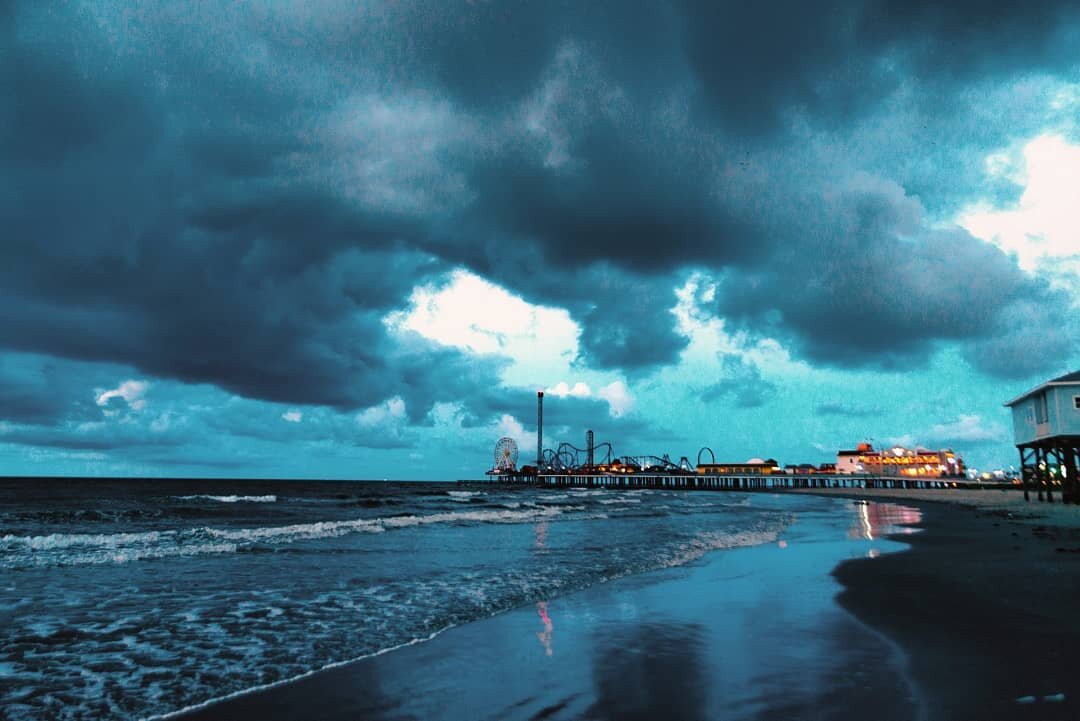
(733, 482)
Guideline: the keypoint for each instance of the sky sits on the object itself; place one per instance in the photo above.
(353, 239)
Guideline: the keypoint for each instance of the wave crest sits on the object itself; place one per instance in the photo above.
(63, 549)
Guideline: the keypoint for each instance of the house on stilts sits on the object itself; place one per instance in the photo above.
(1046, 426)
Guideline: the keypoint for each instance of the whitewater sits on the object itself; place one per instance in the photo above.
(133, 599)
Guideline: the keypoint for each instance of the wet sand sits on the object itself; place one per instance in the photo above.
(994, 500)
(985, 603)
(741, 634)
(977, 620)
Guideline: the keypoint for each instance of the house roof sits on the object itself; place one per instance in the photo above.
(1069, 379)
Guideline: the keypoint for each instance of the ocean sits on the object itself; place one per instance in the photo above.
(132, 599)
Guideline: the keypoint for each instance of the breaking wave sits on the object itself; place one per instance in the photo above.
(229, 499)
(73, 549)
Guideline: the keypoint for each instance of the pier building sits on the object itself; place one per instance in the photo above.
(752, 467)
(1046, 428)
(900, 461)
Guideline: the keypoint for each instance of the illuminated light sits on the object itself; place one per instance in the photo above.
(782, 543)
(864, 518)
(545, 636)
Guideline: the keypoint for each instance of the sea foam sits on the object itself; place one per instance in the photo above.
(61, 549)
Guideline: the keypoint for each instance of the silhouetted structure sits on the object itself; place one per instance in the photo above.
(539, 429)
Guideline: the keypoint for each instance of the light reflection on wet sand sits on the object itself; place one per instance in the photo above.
(878, 520)
(549, 627)
(750, 634)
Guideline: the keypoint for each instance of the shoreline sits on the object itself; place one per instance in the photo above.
(982, 603)
(710, 639)
(971, 618)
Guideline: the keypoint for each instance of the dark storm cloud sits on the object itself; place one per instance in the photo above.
(190, 241)
(643, 190)
(756, 62)
(314, 426)
(619, 189)
(871, 285)
(39, 390)
(104, 438)
(238, 196)
(628, 324)
(1034, 335)
(486, 54)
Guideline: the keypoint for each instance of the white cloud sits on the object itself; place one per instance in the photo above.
(966, 429)
(906, 440)
(390, 412)
(618, 397)
(970, 429)
(132, 391)
(562, 390)
(510, 427)
(293, 416)
(700, 326)
(1067, 98)
(1042, 230)
(478, 316)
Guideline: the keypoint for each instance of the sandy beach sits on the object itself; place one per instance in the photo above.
(1001, 502)
(984, 603)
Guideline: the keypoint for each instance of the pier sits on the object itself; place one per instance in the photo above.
(748, 482)
(597, 466)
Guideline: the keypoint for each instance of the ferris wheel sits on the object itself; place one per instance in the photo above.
(506, 454)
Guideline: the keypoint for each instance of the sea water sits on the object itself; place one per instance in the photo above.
(133, 598)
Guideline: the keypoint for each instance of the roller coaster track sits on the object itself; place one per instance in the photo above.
(568, 456)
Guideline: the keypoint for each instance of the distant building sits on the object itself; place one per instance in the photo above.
(753, 467)
(900, 461)
(848, 462)
(1046, 427)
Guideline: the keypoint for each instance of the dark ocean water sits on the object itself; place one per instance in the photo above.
(128, 599)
